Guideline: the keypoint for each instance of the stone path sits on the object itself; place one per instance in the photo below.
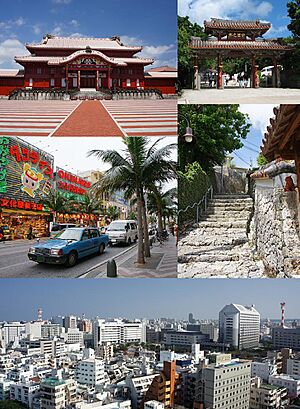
(275, 96)
(218, 246)
(89, 119)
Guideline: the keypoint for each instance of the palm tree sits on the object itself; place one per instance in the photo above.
(113, 212)
(57, 202)
(162, 204)
(132, 171)
(90, 205)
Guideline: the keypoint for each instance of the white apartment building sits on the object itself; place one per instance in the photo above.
(4, 387)
(24, 392)
(138, 388)
(293, 366)
(239, 326)
(33, 330)
(153, 404)
(70, 322)
(291, 383)
(73, 336)
(12, 331)
(227, 386)
(263, 370)
(264, 396)
(90, 372)
(118, 332)
(50, 330)
(105, 351)
(57, 393)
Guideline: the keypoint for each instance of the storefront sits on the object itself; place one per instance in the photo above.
(26, 179)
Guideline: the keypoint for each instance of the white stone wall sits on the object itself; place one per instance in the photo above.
(275, 229)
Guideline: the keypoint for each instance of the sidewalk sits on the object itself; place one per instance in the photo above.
(20, 242)
(161, 264)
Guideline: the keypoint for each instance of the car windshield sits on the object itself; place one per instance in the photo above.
(116, 226)
(69, 234)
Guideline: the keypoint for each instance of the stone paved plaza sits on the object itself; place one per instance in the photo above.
(275, 96)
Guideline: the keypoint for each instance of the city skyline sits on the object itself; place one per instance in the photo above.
(134, 299)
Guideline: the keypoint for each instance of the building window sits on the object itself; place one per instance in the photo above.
(128, 82)
(30, 82)
(52, 82)
(137, 82)
(52, 70)
(63, 82)
(130, 72)
(38, 70)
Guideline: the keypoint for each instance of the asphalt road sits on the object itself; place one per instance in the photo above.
(14, 262)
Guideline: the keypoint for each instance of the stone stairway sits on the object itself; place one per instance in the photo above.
(90, 93)
(218, 245)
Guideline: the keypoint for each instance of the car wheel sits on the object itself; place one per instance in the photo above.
(72, 259)
(129, 241)
(101, 248)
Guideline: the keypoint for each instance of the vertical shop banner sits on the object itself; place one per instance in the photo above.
(70, 185)
(26, 175)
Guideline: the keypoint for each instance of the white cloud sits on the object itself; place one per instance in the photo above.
(200, 10)
(36, 29)
(74, 23)
(8, 24)
(259, 115)
(277, 31)
(8, 50)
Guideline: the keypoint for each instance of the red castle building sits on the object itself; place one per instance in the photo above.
(80, 63)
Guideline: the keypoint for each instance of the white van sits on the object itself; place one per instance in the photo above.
(122, 231)
(268, 71)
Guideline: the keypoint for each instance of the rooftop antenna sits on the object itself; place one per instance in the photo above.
(40, 315)
(282, 305)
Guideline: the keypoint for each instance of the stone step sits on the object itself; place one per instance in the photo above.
(192, 242)
(232, 196)
(221, 269)
(225, 217)
(226, 224)
(230, 201)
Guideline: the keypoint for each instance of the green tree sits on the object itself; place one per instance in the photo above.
(113, 212)
(261, 160)
(218, 130)
(186, 30)
(161, 203)
(56, 202)
(138, 166)
(90, 204)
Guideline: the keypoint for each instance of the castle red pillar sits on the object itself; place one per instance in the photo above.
(254, 70)
(97, 80)
(220, 73)
(108, 78)
(67, 77)
(78, 79)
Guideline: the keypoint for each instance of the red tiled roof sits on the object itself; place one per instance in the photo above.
(198, 43)
(164, 68)
(216, 23)
(81, 43)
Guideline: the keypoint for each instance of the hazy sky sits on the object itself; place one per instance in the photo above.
(137, 298)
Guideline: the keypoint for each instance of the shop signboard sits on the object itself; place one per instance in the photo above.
(26, 175)
(70, 185)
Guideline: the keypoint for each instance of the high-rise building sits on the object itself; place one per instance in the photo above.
(227, 385)
(90, 372)
(239, 326)
(164, 386)
(50, 330)
(118, 332)
(265, 396)
(70, 322)
(286, 338)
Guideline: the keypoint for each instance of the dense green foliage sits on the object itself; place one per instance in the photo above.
(192, 186)
(261, 160)
(218, 130)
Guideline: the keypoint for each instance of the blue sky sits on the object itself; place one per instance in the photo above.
(137, 298)
(273, 11)
(152, 24)
(259, 117)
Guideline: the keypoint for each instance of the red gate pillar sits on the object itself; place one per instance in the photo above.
(255, 83)
(108, 78)
(67, 77)
(97, 80)
(78, 79)
(220, 79)
(276, 76)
